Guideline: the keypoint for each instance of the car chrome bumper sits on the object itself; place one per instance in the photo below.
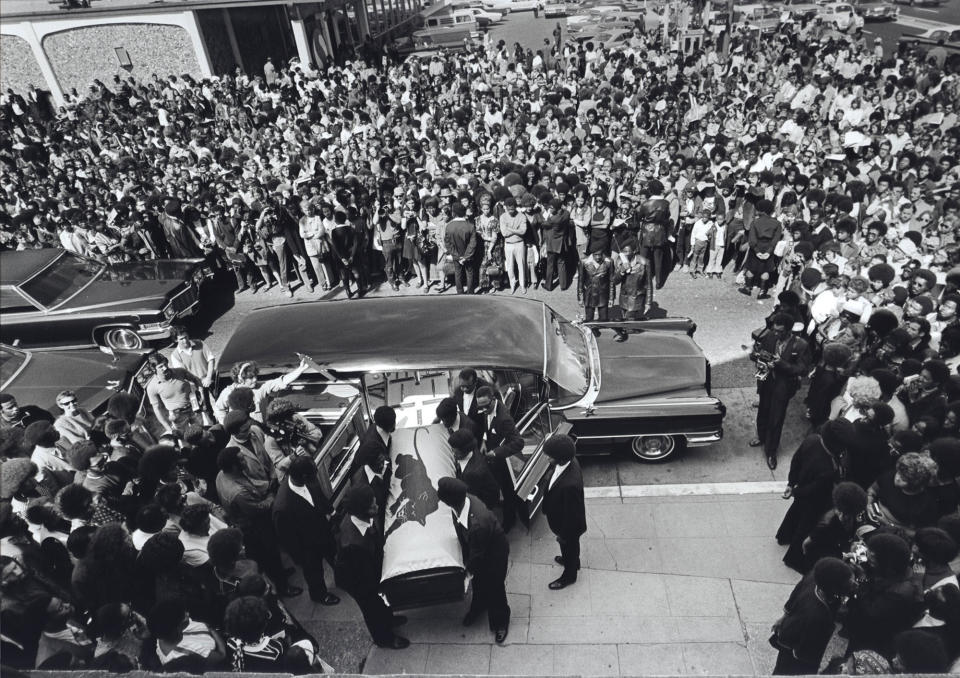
(155, 331)
(702, 439)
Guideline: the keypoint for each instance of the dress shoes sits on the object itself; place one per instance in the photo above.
(500, 635)
(327, 599)
(745, 290)
(560, 583)
(755, 443)
(396, 643)
(558, 560)
(772, 462)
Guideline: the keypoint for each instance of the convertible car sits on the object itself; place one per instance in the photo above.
(53, 297)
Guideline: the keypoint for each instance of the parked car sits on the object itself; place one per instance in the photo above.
(840, 15)
(799, 10)
(605, 22)
(950, 35)
(53, 297)
(609, 37)
(590, 13)
(36, 377)
(926, 3)
(650, 389)
(552, 8)
(762, 18)
(504, 6)
(876, 10)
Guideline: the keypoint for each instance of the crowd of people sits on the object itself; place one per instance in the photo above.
(807, 165)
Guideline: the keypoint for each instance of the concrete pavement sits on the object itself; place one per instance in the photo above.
(671, 585)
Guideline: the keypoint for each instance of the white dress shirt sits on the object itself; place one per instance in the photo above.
(467, 401)
(464, 513)
(302, 491)
(557, 472)
(362, 525)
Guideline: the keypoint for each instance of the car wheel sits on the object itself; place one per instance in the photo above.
(654, 448)
(121, 339)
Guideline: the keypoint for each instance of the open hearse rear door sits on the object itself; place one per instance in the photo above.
(529, 469)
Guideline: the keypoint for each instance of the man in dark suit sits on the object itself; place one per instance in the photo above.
(359, 563)
(787, 358)
(345, 245)
(501, 441)
(473, 470)
(556, 237)
(376, 439)
(460, 242)
(448, 414)
(564, 507)
(303, 530)
(375, 474)
(465, 396)
(485, 554)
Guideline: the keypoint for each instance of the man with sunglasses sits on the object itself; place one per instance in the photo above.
(75, 423)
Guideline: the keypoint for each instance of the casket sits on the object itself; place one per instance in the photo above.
(422, 558)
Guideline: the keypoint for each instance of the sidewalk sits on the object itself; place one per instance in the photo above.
(685, 585)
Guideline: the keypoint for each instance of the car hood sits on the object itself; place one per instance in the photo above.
(648, 363)
(134, 285)
(91, 374)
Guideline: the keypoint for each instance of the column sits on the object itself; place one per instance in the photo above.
(232, 37)
(30, 35)
(301, 40)
(192, 26)
(363, 23)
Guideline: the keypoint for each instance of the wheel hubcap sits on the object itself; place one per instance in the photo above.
(653, 447)
(124, 339)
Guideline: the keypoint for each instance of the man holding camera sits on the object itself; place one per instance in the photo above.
(782, 359)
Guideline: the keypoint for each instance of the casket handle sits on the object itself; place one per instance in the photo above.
(533, 492)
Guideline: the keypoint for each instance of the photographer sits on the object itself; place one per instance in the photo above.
(270, 231)
(782, 359)
(388, 233)
(888, 601)
(293, 436)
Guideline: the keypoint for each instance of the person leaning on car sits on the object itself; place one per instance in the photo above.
(173, 395)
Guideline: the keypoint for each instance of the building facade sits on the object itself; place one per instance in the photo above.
(58, 49)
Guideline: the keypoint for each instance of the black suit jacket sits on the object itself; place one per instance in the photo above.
(564, 504)
(371, 447)
(380, 487)
(501, 437)
(359, 560)
(487, 549)
(480, 481)
(299, 526)
(479, 420)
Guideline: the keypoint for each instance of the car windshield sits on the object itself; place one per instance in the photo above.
(568, 363)
(10, 362)
(61, 280)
